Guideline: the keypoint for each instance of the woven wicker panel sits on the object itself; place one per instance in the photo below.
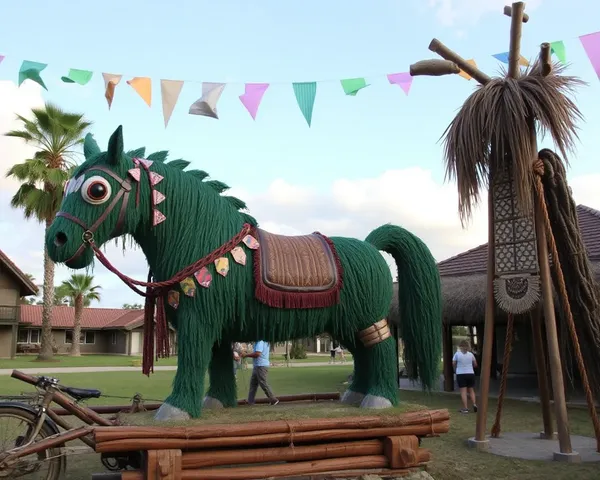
(517, 282)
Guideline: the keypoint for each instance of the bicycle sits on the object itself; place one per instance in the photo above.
(42, 443)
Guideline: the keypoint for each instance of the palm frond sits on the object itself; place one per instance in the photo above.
(502, 113)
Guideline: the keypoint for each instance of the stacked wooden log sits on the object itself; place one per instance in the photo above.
(346, 446)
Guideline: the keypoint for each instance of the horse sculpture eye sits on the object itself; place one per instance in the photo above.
(96, 190)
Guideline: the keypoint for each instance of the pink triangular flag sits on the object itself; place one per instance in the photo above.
(158, 197)
(203, 277)
(155, 178)
(252, 97)
(146, 162)
(134, 173)
(403, 80)
(591, 45)
(1, 58)
(158, 217)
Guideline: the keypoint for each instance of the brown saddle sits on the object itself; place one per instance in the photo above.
(296, 272)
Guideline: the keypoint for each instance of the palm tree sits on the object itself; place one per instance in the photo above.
(132, 306)
(80, 292)
(56, 134)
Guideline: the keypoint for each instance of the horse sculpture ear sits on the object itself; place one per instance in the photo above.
(115, 147)
(90, 147)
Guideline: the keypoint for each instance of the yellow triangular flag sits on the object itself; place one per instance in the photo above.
(143, 86)
(110, 82)
(523, 61)
(465, 74)
(170, 90)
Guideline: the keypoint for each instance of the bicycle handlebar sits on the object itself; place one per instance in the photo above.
(24, 377)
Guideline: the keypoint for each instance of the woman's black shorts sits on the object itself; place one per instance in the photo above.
(465, 380)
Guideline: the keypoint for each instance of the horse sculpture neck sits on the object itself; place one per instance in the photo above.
(198, 220)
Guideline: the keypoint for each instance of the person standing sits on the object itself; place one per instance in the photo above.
(464, 364)
(332, 351)
(260, 369)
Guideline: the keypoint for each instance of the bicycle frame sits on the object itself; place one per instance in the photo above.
(45, 413)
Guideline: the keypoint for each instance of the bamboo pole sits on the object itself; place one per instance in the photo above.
(488, 331)
(422, 417)
(516, 28)
(542, 373)
(133, 444)
(545, 59)
(212, 458)
(447, 54)
(508, 13)
(560, 404)
(447, 354)
(434, 68)
(48, 442)
(300, 397)
(66, 426)
(289, 469)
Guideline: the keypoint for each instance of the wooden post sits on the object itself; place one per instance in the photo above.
(560, 405)
(542, 373)
(447, 353)
(488, 334)
(494, 372)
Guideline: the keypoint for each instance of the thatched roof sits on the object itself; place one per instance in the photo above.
(464, 276)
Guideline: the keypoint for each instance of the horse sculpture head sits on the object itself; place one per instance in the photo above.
(99, 203)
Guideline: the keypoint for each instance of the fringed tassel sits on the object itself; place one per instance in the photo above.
(148, 350)
(162, 330)
(297, 300)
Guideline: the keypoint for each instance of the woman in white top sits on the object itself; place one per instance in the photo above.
(464, 364)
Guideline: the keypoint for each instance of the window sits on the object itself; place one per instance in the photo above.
(113, 338)
(86, 337)
(29, 335)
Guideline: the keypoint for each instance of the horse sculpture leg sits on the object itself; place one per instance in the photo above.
(223, 389)
(373, 384)
(194, 352)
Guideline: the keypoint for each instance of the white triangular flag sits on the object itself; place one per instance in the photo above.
(170, 90)
(207, 104)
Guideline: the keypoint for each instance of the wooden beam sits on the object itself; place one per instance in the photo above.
(508, 13)
(447, 354)
(542, 373)
(443, 51)
(488, 333)
(434, 68)
(516, 27)
(545, 59)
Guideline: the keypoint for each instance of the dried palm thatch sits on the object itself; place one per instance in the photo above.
(500, 116)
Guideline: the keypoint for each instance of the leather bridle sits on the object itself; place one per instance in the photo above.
(88, 232)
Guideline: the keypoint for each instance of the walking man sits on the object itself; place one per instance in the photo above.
(260, 356)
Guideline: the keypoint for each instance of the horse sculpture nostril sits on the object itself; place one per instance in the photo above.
(60, 239)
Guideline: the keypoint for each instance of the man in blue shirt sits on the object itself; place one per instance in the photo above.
(260, 368)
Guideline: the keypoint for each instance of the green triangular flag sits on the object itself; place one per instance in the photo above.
(558, 48)
(351, 86)
(31, 71)
(305, 96)
(78, 76)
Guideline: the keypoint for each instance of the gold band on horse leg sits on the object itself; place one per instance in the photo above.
(376, 333)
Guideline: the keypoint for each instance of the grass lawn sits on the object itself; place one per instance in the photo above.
(452, 460)
(30, 361)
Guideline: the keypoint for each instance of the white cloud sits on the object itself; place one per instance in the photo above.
(455, 12)
(15, 101)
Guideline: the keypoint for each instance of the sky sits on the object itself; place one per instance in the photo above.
(366, 160)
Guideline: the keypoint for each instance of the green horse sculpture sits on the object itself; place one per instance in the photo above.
(218, 278)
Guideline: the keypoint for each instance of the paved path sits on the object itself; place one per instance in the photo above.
(157, 368)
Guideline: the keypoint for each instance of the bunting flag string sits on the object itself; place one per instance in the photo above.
(304, 92)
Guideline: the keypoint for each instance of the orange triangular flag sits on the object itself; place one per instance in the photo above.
(465, 74)
(143, 86)
(523, 61)
(110, 82)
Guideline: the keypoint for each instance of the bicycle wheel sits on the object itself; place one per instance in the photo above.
(15, 426)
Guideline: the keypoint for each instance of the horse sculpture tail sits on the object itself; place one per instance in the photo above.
(420, 301)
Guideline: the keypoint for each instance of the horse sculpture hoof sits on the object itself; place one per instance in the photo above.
(168, 412)
(352, 398)
(210, 402)
(373, 401)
